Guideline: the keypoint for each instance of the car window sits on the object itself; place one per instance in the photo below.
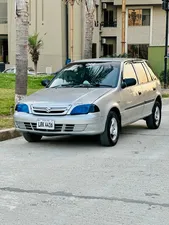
(128, 72)
(151, 71)
(88, 74)
(148, 73)
(141, 74)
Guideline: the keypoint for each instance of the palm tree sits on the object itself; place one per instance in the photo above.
(21, 49)
(35, 44)
(90, 6)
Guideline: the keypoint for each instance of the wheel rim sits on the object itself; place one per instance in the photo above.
(157, 115)
(113, 129)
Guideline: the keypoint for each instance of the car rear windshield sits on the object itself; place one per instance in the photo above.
(88, 74)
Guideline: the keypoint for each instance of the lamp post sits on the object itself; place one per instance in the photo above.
(165, 6)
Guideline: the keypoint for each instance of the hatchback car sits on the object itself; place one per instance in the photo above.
(92, 97)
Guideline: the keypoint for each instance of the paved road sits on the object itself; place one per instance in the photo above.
(71, 181)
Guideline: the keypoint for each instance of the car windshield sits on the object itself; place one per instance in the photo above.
(87, 74)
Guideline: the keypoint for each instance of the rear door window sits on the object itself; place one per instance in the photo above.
(141, 74)
(147, 72)
(151, 71)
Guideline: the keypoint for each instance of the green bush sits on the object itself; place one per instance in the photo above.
(125, 55)
(161, 76)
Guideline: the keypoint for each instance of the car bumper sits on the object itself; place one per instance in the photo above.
(90, 124)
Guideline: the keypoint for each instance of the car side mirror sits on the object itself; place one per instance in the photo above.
(45, 83)
(128, 82)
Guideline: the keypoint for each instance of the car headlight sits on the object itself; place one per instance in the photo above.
(22, 108)
(84, 109)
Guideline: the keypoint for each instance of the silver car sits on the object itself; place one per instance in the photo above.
(92, 97)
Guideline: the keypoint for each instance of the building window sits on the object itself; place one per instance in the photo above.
(138, 51)
(94, 51)
(139, 17)
(4, 49)
(3, 12)
(107, 50)
(108, 18)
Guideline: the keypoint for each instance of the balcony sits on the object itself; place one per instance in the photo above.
(109, 23)
(109, 28)
(141, 2)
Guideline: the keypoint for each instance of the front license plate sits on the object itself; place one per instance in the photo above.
(47, 124)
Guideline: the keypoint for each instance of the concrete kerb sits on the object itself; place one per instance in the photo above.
(13, 133)
(9, 134)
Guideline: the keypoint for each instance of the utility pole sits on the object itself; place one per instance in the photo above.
(123, 26)
(165, 6)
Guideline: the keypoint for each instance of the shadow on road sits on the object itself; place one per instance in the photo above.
(72, 140)
(90, 140)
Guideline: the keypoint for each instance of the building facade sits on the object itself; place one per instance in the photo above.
(145, 26)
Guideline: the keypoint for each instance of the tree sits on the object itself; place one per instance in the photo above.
(21, 49)
(90, 6)
(35, 44)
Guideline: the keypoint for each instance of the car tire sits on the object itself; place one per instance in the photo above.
(153, 121)
(112, 129)
(30, 137)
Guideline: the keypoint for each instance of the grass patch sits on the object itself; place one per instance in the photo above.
(34, 82)
(7, 95)
(6, 122)
(165, 95)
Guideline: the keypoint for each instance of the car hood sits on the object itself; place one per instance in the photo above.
(66, 96)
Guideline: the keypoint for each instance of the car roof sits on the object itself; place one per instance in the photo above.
(120, 60)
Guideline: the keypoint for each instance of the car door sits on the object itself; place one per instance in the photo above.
(131, 102)
(148, 87)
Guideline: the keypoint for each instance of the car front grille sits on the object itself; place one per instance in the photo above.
(58, 127)
(50, 111)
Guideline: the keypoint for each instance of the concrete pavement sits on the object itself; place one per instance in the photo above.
(68, 181)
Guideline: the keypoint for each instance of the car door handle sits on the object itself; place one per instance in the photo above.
(139, 93)
(154, 89)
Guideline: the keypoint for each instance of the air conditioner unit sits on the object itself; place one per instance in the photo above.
(104, 6)
(97, 2)
(103, 41)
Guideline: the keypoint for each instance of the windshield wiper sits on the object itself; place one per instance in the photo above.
(102, 85)
(92, 85)
(83, 85)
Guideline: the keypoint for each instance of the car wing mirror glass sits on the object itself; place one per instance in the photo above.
(45, 83)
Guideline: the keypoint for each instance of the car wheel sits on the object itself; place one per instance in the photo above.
(153, 121)
(30, 137)
(111, 134)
